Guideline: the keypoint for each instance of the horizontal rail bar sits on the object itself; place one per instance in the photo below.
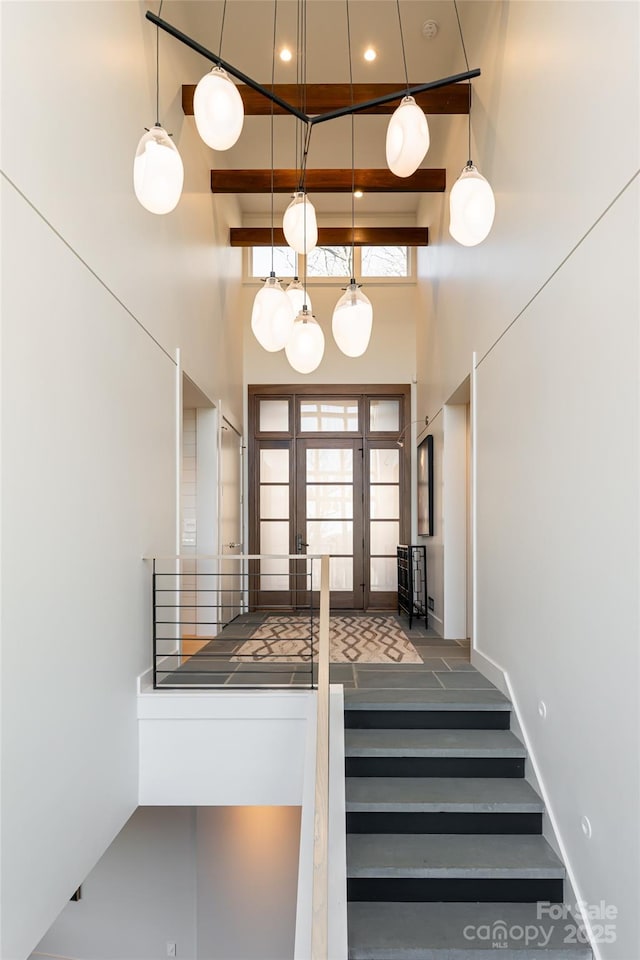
(239, 556)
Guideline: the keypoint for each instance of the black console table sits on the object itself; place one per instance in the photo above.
(412, 582)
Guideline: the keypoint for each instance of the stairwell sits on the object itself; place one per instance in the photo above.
(445, 854)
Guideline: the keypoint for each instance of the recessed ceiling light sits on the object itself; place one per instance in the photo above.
(358, 194)
(370, 54)
(286, 55)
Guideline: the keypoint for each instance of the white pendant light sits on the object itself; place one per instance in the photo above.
(300, 225)
(472, 207)
(407, 138)
(272, 316)
(298, 296)
(218, 110)
(352, 321)
(305, 347)
(158, 173)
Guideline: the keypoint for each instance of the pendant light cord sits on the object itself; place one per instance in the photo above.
(466, 60)
(273, 75)
(158, 68)
(224, 14)
(305, 129)
(404, 55)
(353, 152)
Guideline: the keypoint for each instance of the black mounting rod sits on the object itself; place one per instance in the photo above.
(214, 58)
(294, 111)
(390, 97)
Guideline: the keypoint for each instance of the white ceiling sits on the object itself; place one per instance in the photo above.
(247, 45)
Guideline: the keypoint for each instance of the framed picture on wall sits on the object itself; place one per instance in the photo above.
(425, 487)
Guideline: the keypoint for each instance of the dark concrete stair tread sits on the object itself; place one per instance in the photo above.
(476, 856)
(432, 743)
(436, 931)
(490, 699)
(441, 794)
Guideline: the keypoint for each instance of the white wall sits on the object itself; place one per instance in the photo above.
(218, 882)
(556, 412)
(97, 296)
(247, 868)
(141, 894)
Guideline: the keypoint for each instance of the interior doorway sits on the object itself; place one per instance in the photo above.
(230, 494)
(456, 515)
(328, 476)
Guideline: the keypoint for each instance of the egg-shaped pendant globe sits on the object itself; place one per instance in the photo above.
(472, 207)
(305, 347)
(218, 110)
(300, 224)
(352, 321)
(407, 138)
(272, 316)
(158, 172)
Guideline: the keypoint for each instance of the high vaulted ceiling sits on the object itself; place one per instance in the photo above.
(247, 44)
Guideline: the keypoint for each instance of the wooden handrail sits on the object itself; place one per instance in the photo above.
(320, 911)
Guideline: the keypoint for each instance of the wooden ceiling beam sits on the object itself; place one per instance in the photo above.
(327, 181)
(325, 97)
(335, 236)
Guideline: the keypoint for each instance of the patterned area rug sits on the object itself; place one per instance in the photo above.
(353, 640)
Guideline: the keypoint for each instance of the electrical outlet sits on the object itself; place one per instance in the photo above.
(431, 602)
(171, 949)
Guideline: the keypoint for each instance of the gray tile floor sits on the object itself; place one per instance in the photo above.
(445, 666)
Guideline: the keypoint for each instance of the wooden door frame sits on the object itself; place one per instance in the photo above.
(338, 391)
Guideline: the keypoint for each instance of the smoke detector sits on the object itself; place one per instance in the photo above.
(430, 29)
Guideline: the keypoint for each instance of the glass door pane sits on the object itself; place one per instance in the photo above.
(383, 522)
(274, 501)
(329, 512)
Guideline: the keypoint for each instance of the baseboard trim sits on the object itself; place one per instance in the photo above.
(500, 677)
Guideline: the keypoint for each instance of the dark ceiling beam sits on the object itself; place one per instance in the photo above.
(335, 236)
(326, 97)
(327, 181)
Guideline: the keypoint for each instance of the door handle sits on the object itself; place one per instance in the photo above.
(300, 543)
(232, 546)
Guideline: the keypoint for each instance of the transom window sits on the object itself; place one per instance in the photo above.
(384, 262)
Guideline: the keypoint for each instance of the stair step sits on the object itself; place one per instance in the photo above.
(424, 700)
(441, 794)
(452, 867)
(447, 931)
(427, 719)
(451, 856)
(433, 743)
(442, 805)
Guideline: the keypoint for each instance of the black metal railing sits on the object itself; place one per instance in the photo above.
(214, 624)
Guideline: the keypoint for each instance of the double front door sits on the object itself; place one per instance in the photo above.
(326, 493)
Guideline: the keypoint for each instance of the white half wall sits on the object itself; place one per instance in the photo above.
(223, 749)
